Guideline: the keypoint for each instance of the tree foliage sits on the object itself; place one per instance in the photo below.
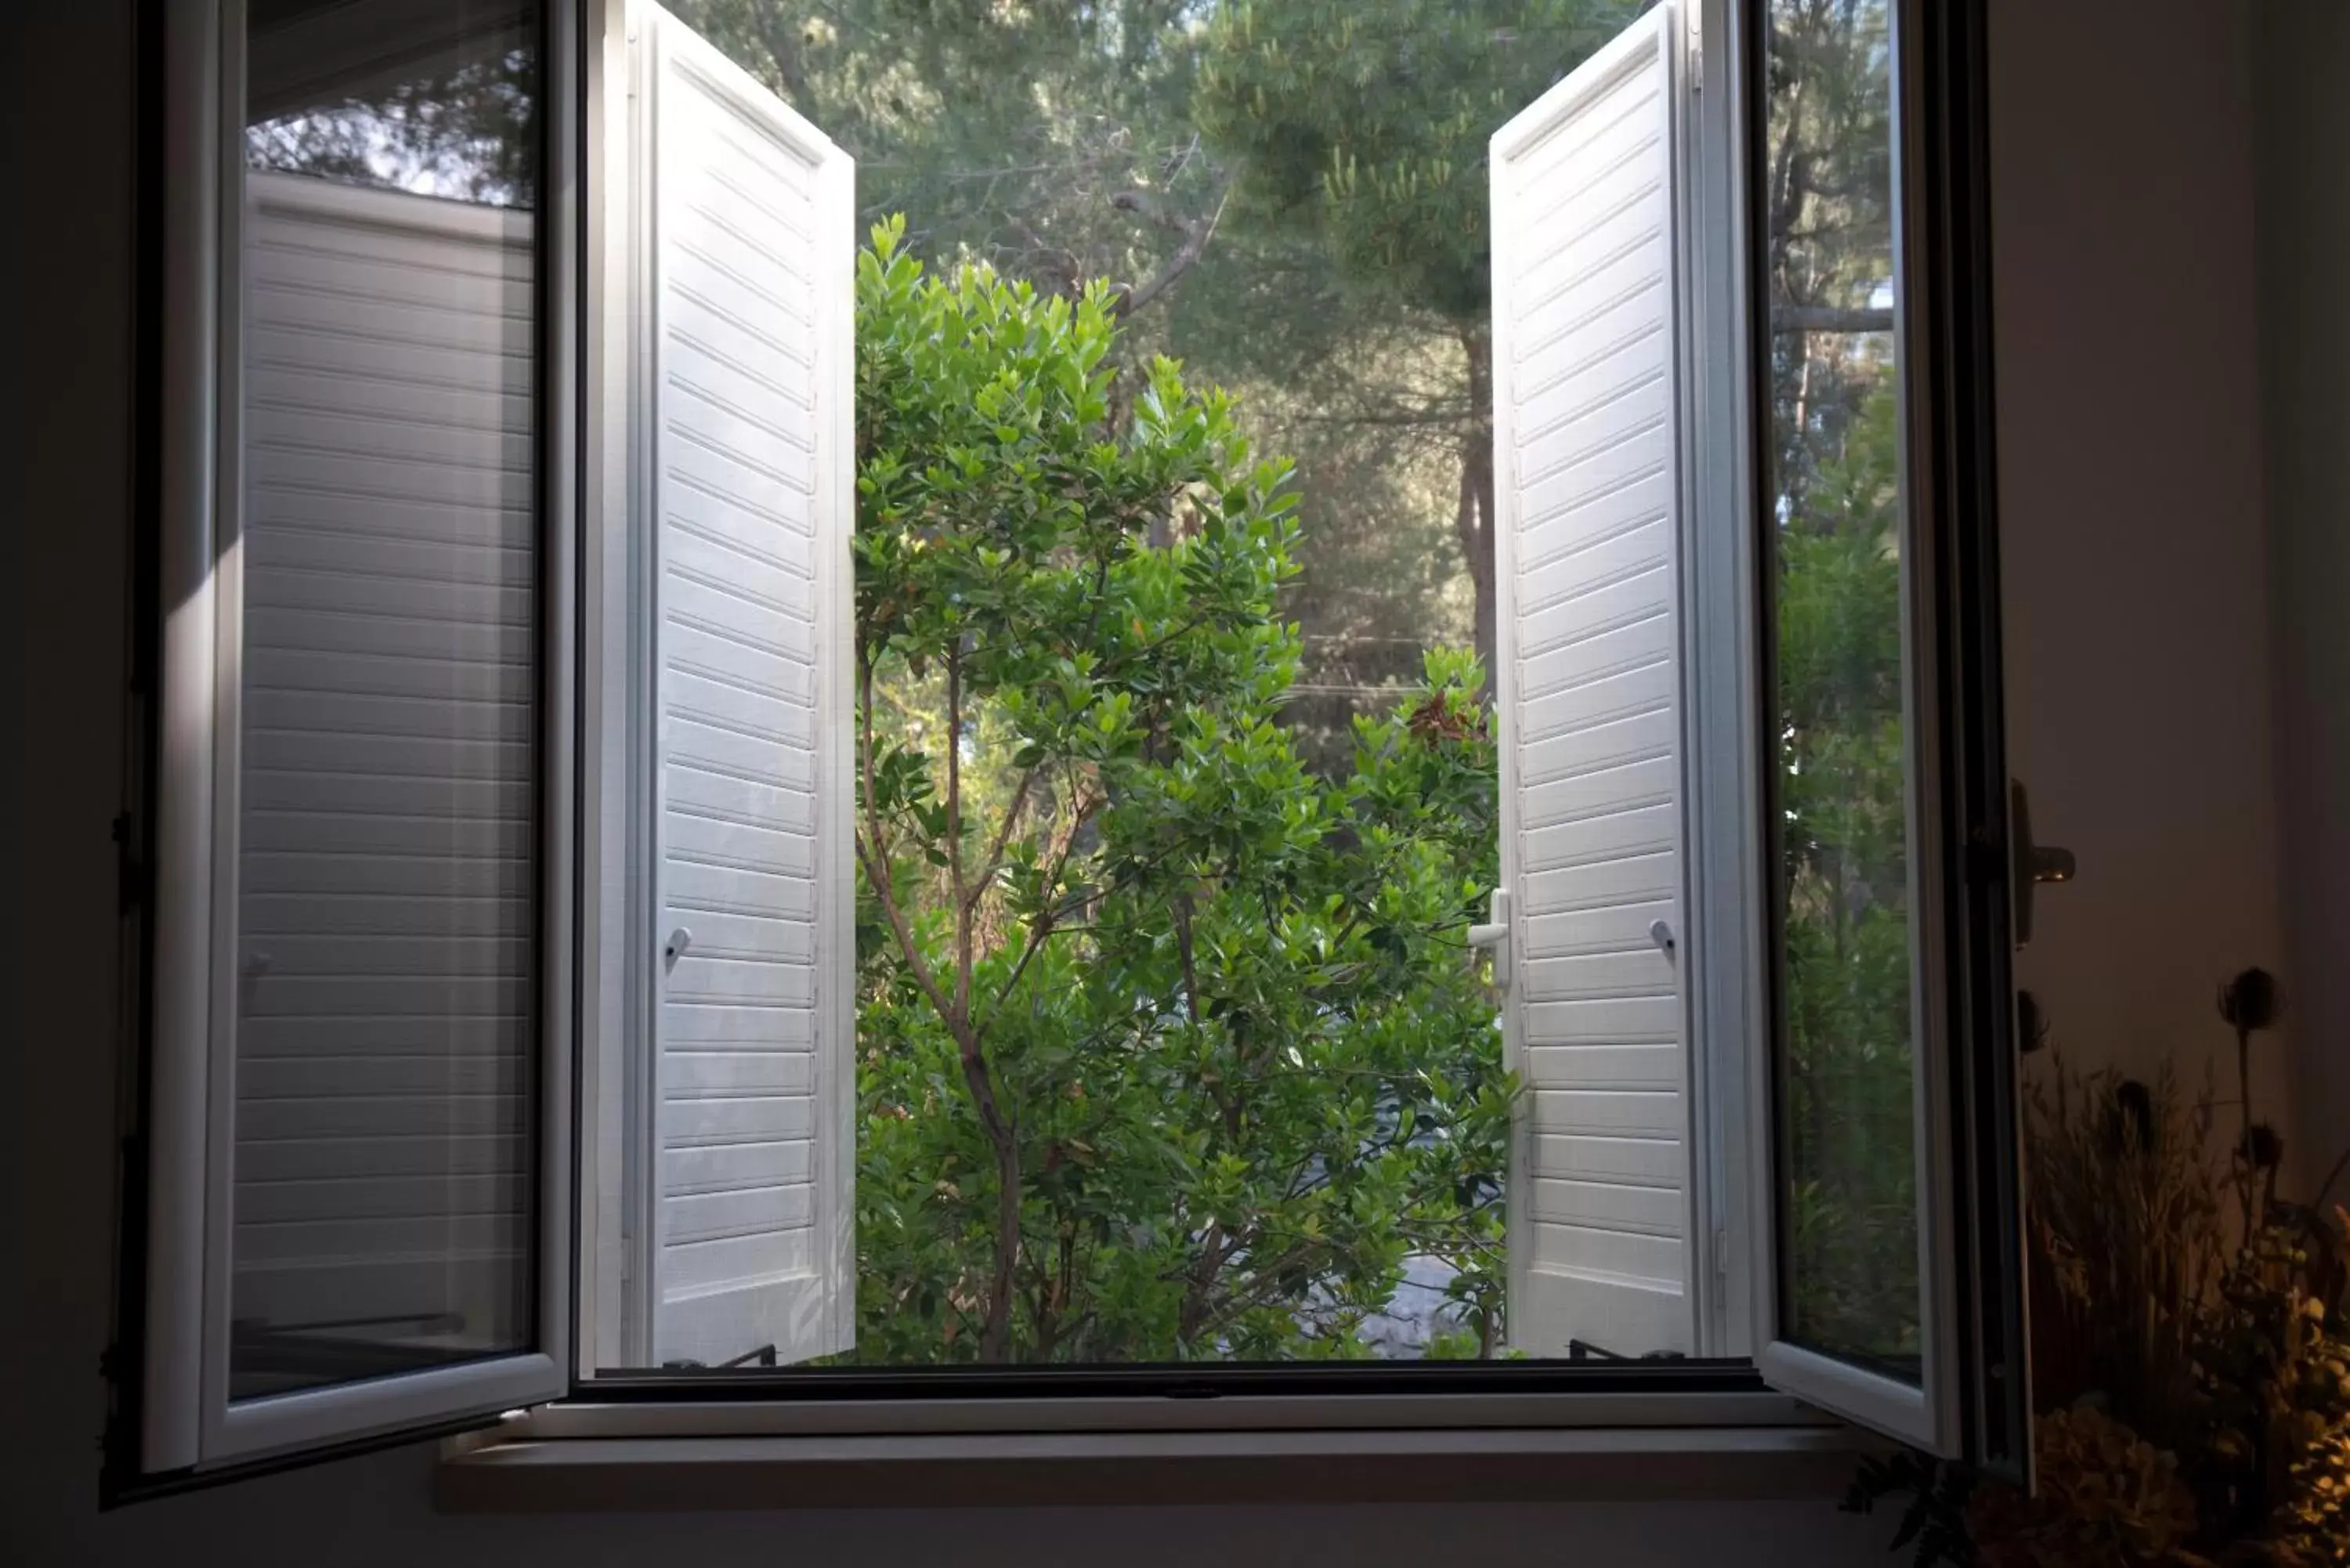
(1173, 1049)
(1367, 127)
(1841, 825)
(1059, 143)
(1843, 864)
(1828, 233)
(466, 130)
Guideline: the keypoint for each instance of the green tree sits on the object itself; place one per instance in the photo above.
(1168, 1048)
(1050, 139)
(1367, 127)
(1843, 868)
(1841, 828)
(1056, 141)
(1827, 183)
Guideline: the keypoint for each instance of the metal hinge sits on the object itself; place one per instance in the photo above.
(1696, 50)
(1585, 1350)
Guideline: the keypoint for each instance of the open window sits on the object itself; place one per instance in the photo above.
(1746, 803)
(509, 790)
(359, 1219)
(356, 1152)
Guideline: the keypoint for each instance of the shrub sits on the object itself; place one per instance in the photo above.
(1168, 1048)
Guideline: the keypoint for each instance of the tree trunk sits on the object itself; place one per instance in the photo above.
(1473, 519)
(995, 1330)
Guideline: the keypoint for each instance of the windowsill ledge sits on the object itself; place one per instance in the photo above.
(636, 1474)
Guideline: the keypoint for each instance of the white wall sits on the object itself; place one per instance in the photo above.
(2136, 563)
(2301, 57)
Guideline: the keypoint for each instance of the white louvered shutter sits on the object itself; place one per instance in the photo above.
(1589, 444)
(384, 967)
(743, 391)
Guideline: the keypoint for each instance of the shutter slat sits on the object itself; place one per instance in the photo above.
(1588, 452)
(743, 392)
(387, 833)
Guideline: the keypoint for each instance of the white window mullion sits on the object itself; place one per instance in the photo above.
(1725, 928)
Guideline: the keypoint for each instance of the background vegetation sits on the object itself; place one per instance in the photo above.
(1168, 1048)
(1844, 993)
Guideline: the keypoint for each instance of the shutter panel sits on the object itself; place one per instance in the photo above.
(744, 396)
(386, 813)
(1589, 436)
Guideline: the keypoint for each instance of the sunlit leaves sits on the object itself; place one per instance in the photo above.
(1369, 124)
(1224, 1003)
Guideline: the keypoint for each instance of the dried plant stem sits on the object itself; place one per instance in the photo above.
(2244, 1122)
(2325, 1188)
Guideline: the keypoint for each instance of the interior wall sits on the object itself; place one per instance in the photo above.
(2301, 57)
(2135, 561)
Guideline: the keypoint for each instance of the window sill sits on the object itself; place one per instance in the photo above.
(1621, 1464)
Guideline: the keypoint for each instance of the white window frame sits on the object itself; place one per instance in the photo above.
(188, 1422)
(1931, 1414)
(1734, 1280)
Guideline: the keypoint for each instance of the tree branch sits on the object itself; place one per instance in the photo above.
(1193, 1313)
(1046, 921)
(954, 836)
(877, 873)
(1828, 319)
(994, 1331)
(1127, 300)
(987, 878)
(874, 856)
(774, 36)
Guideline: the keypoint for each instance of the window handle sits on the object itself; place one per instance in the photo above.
(1495, 934)
(2031, 864)
(674, 948)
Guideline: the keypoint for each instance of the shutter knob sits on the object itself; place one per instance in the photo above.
(1661, 933)
(674, 948)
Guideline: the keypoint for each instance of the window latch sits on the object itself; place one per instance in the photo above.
(1495, 934)
(2031, 863)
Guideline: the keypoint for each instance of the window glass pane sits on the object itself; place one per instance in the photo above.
(1849, 1246)
(386, 851)
(1179, 780)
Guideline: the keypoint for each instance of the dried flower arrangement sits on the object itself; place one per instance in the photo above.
(2190, 1343)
